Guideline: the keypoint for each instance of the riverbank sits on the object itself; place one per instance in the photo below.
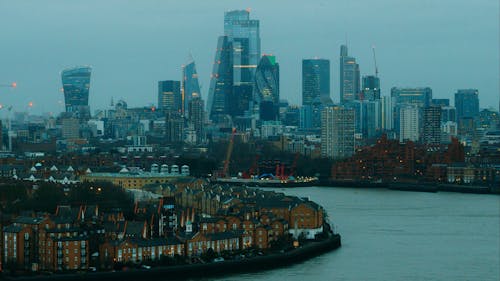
(419, 187)
(306, 251)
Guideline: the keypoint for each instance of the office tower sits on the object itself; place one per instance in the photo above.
(196, 116)
(467, 103)
(432, 125)
(174, 127)
(315, 79)
(306, 117)
(409, 126)
(169, 96)
(371, 88)
(240, 100)
(387, 113)
(244, 35)
(190, 85)
(337, 132)
(448, 113)
(440, 102)
(349, 76)
(420, 97)
(467, 106)
(368, 117)
(76, 85)
(267, 88)
(70, 128)
(221, 83)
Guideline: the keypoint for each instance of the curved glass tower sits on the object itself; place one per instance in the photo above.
(267, 87)
(221, 83)
(76, 85)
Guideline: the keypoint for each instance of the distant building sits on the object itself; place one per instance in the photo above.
(349, 76)
(432, 125)
(409, 126)
(337, 132)
(76, 86)
(267, 88)
(221, 83)
(315, 79)
(190, 85)
(440, 102)
(448, 113)
(244, 35)
(401, 97)
(197, 116)
(70, 128)
(169, 96)
(467, 103)
(370, 89)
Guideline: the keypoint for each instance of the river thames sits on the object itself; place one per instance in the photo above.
(395, 235)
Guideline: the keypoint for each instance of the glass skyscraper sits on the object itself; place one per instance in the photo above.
(315, 80)
(349, 76)
(169, 96)
(245, 36)
(467, 103)
(221, 83)
(190, 85)
(76, 85)
(371, 88)
(267, 87)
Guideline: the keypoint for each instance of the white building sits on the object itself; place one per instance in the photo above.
(409, 127)
(337, 132)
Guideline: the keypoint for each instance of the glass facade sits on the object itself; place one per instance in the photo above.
(244, 34)
(190, 85)
(221, 84)
(349, 76)
(76, 86)
(315, 80)
(169, 96)
(267, 91)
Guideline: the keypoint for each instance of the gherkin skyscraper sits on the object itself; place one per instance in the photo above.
(266, 89)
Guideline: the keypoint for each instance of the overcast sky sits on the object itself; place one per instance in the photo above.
(443, 44)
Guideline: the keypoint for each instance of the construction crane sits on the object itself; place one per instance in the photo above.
(228, 153)
(375, 61)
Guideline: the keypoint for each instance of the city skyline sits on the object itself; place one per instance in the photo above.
(121, 70)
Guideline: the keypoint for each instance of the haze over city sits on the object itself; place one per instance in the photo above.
(446, 45)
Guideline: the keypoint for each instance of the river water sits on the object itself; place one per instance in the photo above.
(396, 235)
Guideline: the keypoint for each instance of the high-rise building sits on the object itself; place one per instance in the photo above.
(448, 113)
(169, 96)
(267, 88)
(432, 125)
(190, 85)
(197, 116)
(174, 127)
(221, 83)
(441, 102)
(337, 132)
(368, 117)
(70, 128)
(240, 101)
(409, 127)
(467, 103)
(349, 76)
(76, 86)
(371, 88)
(401, 97)
(315, 79)
(244, 34)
